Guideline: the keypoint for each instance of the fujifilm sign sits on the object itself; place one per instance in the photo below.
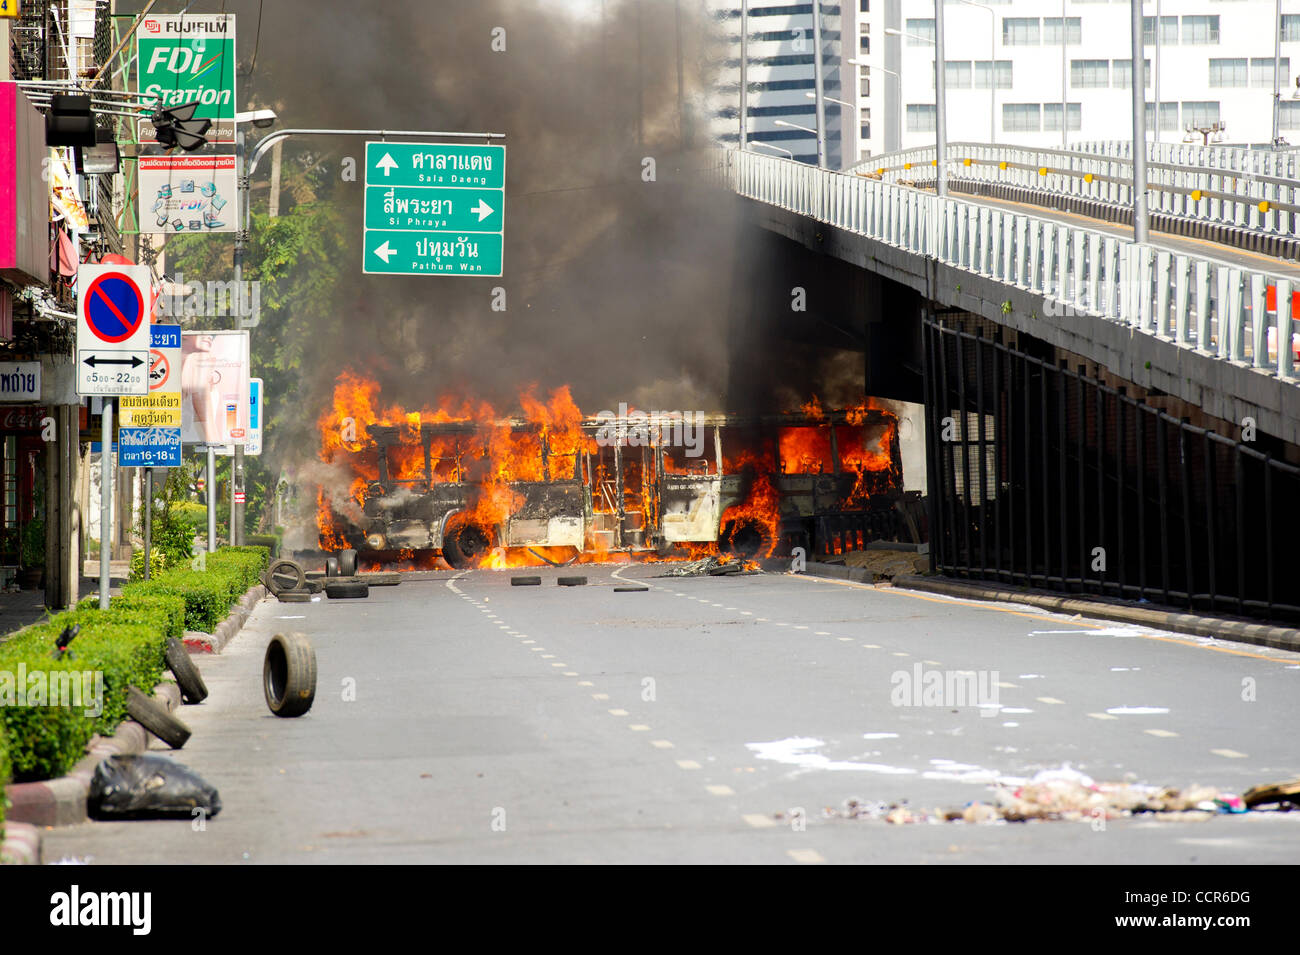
(190, 59)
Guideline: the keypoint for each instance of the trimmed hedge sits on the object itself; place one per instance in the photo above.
(47, 740)
(125, 644)
(4, 778)
(208, 585)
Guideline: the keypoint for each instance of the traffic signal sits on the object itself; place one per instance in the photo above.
(177, 127)
(69, 121)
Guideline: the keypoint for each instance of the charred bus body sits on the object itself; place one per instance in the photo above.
(753, 485)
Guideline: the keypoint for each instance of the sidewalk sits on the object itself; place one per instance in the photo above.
(18, 610)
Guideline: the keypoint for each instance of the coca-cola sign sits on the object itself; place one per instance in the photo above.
(24, 418)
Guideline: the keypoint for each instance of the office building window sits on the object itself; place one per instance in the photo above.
(1052, 117)
(1022, 117)
(1090, 74)
(1020, 31)
(1229, 72)
(1168, 31)
(922, 32)
(1122, 74)
(1290, 116)
(1201, 29)
(1261, 71)
(1199, 115)
(1052, 31)
(1291, 27)
(957, 74)
(864, 86)
(920, 118)
(1168, 116)
(1001, 74)
(864, 6)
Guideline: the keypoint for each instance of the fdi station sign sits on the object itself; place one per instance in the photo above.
(187, 58)
(434, 209)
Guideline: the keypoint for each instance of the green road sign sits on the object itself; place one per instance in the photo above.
(187, 59)
(419, 208)
(432, 253)
(435, 164)
(434, 209)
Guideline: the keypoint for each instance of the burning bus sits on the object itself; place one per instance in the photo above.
(552, 486)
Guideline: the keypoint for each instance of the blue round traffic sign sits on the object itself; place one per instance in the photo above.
(114, 307)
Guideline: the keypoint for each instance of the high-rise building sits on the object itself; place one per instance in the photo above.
(780, 67)
(1051, 72)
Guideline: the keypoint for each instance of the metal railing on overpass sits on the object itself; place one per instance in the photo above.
(1245, 189)
(1193, 302)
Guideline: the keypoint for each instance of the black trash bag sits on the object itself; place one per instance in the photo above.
(149, 787)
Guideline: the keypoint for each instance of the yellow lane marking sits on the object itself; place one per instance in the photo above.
(1228, 753)
(1049, 699)
(571, 673)
(600, 696)
(718, 790)
(618, 712)
(661, 744)
(1163, 734)
(758, 820)
(688, 764)
(1103, 716)
(638, 727)
(585, 683)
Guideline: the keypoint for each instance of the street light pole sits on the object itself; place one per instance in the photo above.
(1277, 72)
(744, 73)
(817, 83)
(1139, 126)
(940, 103)
(898, 92)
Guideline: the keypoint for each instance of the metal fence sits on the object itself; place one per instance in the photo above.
(1043, 477)
(1193, 302)
(1256, 192)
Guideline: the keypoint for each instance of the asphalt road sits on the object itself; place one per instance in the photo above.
(492, 723)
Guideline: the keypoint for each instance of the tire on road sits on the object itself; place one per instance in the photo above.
(289, 674)
(347, 562)
(154, 717)
(525, 581)
(284, 576)
(571, 581)
(387, 578)
(343, 590)
(188, 678)
(331, 567)
(296, 597)
(630, 590)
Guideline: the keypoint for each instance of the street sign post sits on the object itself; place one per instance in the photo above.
(150, 426)
(188, 58)
(256, 410)
(434, 209)
(113, 329)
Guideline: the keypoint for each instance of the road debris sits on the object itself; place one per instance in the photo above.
(1071, 796)
(714, 566)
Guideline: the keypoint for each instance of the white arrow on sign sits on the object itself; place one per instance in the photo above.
(483, 209)
(384, 252)
(387, 164)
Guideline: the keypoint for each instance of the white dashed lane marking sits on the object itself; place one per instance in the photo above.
(720, 790)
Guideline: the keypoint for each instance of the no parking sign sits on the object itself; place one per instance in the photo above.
(113, 303)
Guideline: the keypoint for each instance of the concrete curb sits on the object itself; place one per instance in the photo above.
(1221, 628)
(216, 641)
(22, 844)
(62, 801)
(840, 572)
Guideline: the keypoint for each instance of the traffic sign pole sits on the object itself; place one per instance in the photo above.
(105, 495)
(148, 520)
(212, 500)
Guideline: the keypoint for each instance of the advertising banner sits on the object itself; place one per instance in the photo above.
(214, 388)
(183, 194)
